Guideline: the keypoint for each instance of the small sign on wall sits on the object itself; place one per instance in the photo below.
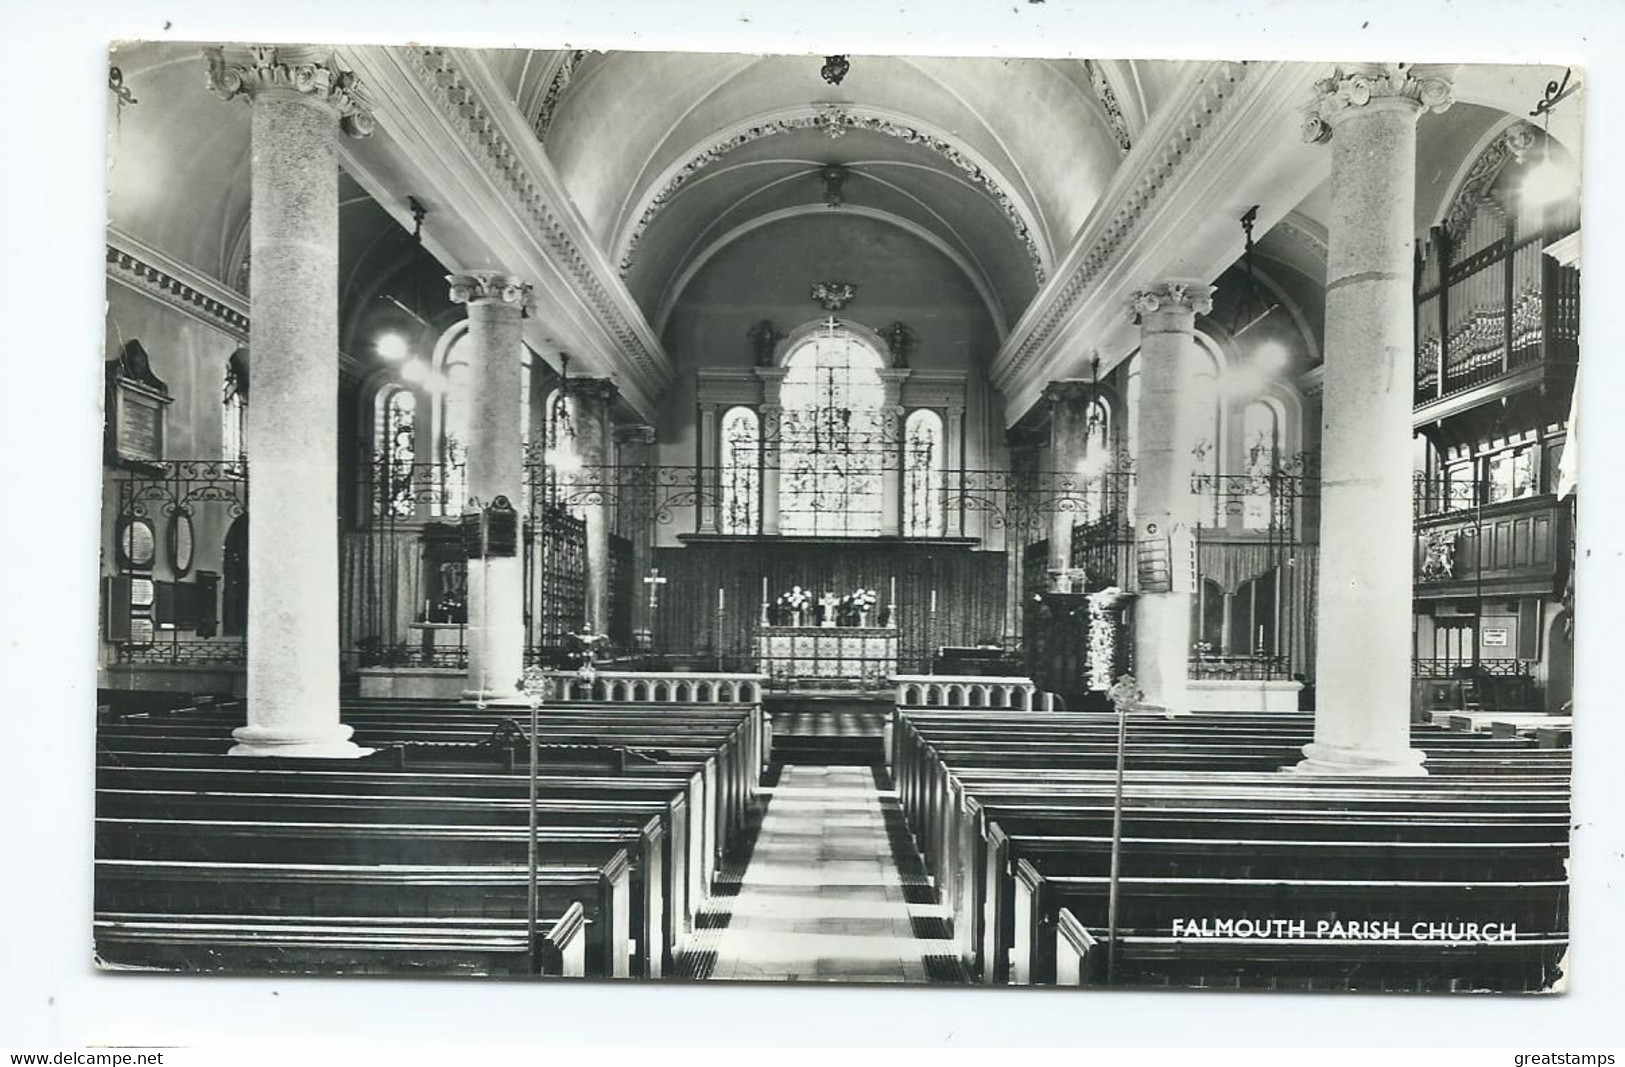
(1495, 637)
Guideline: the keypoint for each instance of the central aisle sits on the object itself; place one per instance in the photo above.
(822, 897)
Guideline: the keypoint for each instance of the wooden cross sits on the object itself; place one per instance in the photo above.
(654, 582)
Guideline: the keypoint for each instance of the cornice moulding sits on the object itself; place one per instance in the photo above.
(1136, 186)
(1229, 137)
(508, 207)
(140, 267)
(143, 269)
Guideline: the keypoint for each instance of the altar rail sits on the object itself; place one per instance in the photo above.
(674, 687)
(966, 691)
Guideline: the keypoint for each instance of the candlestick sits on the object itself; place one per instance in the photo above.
(719, 598)
(933, 601)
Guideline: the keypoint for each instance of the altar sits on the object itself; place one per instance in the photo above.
(862, 656)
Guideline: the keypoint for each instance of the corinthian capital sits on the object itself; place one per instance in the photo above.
(480, 286)
(1355, 87)
(1192, 297)
(249, 71)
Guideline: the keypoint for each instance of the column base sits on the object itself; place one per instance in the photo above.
(1329, 760)
(502, 698)
(1166, 711)
(269, 741)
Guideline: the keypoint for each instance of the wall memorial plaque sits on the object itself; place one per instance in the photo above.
(181, 547)
(136, 403)
(137, 545)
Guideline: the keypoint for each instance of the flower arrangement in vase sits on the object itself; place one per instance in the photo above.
(857, 607)
(792, 606)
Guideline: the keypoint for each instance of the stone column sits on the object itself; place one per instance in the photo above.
(496, 583)
(1166, 511)
(895, 453)
(953, 468)
(301, 98)
(772, 416)
(1363, 640)
(590, 400)
(1069, 439)
(637, 500)
(708, 472)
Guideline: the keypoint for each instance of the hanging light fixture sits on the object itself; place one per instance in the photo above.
(1547, 181)
(560, 455)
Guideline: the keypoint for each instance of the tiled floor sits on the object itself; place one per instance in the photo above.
(822, 898)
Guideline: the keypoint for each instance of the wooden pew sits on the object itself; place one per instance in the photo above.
(702, 761)
(339, 893)
(961, 774)
(263, 944)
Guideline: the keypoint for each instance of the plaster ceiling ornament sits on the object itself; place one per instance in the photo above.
(1520, 138)
(835, 69)
(1349, 89)
(832, 120)
(1109, 104)
(555, 92)
(833, 296)
(264, 68)
(488, 285)
(835, 121)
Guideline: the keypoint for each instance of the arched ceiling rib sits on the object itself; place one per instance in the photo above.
(999, 160)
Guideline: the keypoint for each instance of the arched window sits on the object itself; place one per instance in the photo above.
(923, 475)
(234, 413)
(741, 471)
(452, 437)
(1204, 397)
(832, 438)
(1261, 452)
(234, 580)
(395, 451)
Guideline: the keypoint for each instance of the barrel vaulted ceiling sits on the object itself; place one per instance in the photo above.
(997, 163)
(667, 159)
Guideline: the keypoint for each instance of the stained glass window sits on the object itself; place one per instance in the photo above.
(923, 475)
(234, 413)
(741, 488)
(832, 438)
(395, 443)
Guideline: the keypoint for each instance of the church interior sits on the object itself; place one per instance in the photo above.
(837, 518)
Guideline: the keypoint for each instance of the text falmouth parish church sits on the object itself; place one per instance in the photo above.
(712, 514)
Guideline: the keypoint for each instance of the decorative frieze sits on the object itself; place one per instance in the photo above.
(1355, 87)
(834, 120)
(271, 68)
(489, 285)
